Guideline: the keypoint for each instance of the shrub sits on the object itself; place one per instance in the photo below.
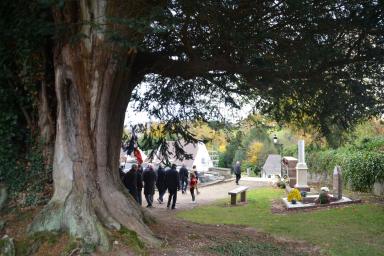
(324, 198)
(363, 169)
(362, 163)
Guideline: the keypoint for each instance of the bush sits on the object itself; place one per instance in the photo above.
(324, 198)
(257, 170)
(363, 169)
(362, 163)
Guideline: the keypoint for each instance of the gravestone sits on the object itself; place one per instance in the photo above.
(337, 183)
(301, 169)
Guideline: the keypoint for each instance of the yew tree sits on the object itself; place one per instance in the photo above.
(320, 60)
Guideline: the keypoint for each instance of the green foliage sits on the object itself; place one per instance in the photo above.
(323, 198)
(310, 62)
(27, 173)
(228, 158)
(362, 169)
(21, 69)
(251, 130)
(257, 169)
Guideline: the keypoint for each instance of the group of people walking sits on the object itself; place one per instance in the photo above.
(172, 180)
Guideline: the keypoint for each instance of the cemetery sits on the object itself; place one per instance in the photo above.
(202, 128)
(306, 197)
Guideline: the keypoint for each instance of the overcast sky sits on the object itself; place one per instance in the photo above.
(133, 117)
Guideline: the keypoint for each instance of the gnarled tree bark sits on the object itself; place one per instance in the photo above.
(93, 87)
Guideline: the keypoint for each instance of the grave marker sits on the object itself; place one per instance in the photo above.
(337, 183)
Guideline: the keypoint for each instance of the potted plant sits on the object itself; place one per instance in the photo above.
(294, 195)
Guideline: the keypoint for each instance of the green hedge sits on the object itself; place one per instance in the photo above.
(364, 168)
(362, 163)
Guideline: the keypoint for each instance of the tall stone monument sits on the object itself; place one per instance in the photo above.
(337, 183)
(301, 169)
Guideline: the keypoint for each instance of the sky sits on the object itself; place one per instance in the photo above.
(133, 117)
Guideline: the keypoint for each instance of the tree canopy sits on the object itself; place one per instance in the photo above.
(319, 61)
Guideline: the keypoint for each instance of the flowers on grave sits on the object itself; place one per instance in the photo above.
(294, 194)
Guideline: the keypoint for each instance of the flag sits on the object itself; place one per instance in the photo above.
(134, 148)
(137, 154)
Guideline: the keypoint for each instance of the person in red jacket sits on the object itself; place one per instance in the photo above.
(193, 186)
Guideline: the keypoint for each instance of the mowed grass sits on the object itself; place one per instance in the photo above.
(351, 230)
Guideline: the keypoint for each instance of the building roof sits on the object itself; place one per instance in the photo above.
(272, 165)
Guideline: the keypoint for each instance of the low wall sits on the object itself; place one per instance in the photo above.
(226, 172)
(319, 178)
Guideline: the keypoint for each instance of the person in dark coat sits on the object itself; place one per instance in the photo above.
(173, 184)
(139, 175)
(130, 182)
(160, 183)
(149, 178)
(183, 174)
(237, 172)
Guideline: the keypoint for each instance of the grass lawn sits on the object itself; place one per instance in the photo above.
(351, 230)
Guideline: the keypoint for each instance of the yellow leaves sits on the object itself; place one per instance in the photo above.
(157, 130)
(222, 147)
(217, 139)
(254, 151)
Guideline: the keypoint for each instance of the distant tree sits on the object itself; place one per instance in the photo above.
(253, 154)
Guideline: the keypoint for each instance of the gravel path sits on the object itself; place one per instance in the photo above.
(207, 194)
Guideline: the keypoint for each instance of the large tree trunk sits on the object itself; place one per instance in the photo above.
(93, 88)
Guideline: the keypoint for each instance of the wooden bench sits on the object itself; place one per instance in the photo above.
(242, 190)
